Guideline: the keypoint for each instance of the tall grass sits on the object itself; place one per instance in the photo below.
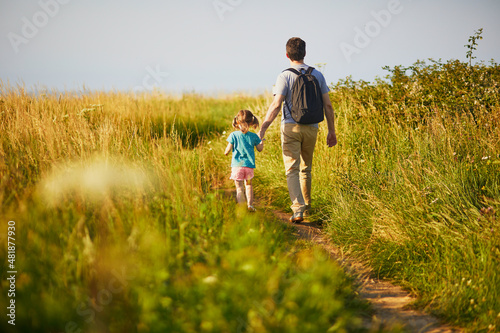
(413, 187)
(122, 226)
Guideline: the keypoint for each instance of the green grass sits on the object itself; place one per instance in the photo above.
(123, 224)
(413, 186)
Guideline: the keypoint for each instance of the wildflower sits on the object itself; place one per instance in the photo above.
(469, 282)
(485, 157)
(210, 279)
(248, 267)
(483, 188)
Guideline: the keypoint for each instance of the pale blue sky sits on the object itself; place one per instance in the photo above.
(228, 45)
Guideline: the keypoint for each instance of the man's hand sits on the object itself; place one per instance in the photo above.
(331, 139)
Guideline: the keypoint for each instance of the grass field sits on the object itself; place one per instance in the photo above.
(123, 222)
(413, 187)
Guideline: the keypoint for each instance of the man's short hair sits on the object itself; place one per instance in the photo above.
(296, 49)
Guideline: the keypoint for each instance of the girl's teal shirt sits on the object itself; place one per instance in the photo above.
(243, 148)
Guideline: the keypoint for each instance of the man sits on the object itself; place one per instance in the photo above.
(298, 140)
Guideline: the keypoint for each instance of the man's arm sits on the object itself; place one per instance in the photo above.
(272, 112)
(331, 139)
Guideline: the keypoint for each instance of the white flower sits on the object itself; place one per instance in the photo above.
(210, 279)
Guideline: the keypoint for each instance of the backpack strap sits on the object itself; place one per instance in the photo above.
(293, 70)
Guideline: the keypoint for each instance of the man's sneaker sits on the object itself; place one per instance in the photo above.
(297, 217)
(307, 211)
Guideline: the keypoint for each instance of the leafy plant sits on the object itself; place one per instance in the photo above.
(472, 46)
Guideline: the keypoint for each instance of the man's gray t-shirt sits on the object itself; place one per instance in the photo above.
(284, 84)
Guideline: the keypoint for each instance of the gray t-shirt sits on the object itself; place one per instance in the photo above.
(284, 84)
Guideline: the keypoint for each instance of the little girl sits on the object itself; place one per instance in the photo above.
(242, 143)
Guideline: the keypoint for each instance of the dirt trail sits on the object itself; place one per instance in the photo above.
(388, 300)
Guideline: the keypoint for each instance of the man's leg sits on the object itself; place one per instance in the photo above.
(291, 147)
(309, 135)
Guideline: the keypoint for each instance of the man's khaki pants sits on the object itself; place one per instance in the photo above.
(298, 142)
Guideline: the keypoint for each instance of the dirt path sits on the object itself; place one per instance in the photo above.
(388, 300)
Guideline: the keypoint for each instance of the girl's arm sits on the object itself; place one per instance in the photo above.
(229, 149)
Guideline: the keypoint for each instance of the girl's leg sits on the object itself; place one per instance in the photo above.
(249, 192)
(240, 191)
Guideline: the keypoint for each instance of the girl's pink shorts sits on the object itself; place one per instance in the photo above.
(241, 173)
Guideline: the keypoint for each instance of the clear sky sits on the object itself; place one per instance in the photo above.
(228, 45)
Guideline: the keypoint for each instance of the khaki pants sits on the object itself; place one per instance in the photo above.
(297, 143)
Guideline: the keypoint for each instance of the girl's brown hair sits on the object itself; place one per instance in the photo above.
(244, 119)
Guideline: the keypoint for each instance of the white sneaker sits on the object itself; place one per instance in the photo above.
(297, 217)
